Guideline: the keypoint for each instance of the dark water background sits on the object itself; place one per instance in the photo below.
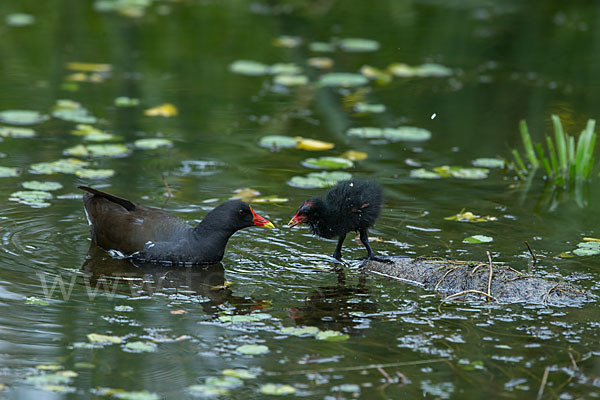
(512, 60)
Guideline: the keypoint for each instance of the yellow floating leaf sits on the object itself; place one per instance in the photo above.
(587, 239)
(178, 312)
(313, 144)
(89, 67)
(354, 155)
(225, 285)
(164, 110)
(48, 367)
(320, 62)
(245, 194)
(467, 216)
(270, 199)
(1, 386)
(77, 77)
(98, 338)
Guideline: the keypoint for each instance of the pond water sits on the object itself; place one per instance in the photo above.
(178, 332)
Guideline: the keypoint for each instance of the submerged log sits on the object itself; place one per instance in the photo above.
(458, 280)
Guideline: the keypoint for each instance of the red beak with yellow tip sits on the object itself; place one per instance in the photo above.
(261, 221)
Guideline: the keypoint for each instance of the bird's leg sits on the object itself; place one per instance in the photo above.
(371, 256)
(337, 254)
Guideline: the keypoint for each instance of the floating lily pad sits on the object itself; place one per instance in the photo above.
(369, 108)
(97, 150)
(346, 387)
(590, 248)
(73, 112)
(88, 67)
(291, 80)
(382, 77)
(407, 134)
(248, 67)
(462, 173)
(366, 132)
(226, 382)
(32, 198)
(357, 45)
(478, 239)
(45, 186)
(207, 391)
(328, 163)
(244, 318)
(489, 162)
(321, 47)
(16, 132)
(19, 19)
(163, 110)
(58, 378)
(8, 172)
(22, 117)
(36, 301)
(319, 179)
(253, 349)
(354, 155)
(140, 347)
(313, 144)
(320, 62)
(425, 70)
(239, 373)
(305, 331)
(152, 143)
(285, 69)
(343, 79)
(142, 395)
(275, 142)
(123, 308)
(124, 101)
(287, 41)
(98, 338)
(64, 165)
(424, 174)
(87, 173)
(277, 389)
(467, 216)
(332, 335)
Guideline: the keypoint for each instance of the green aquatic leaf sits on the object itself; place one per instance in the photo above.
(124, 101)
(346, 387)
(321, 47)
(285, 69)
(36, 301)
(366, 132)
(107, 150)
(8, 172)
(407, 133)
(33, 198)
(99, 338)
(332, 335)
(489, 162)
(87, 173)
(468, 173)
(276, 389)
(19, 19)
(225, 382)
(319, 179)
(142, 395)
(50, 379)
(37, 185)
(79, 115)
(358, 45)
(77, 151)
(291, 80)
(16, 132)
(152, 143)
(22, 117)
(239, 373)
(422, 173)
(343, 79)
(123, 308)
(590, 248)
(478, 239)
(304, 331)
(207, 391)
(141, 347)
(287, 41)
(245, 318)
(63, 165)
(248, 67)
(278, 142)
(328, 163)
(252, 349)
(369, 108)
(422, 71)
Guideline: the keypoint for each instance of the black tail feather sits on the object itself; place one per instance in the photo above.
(128, 205)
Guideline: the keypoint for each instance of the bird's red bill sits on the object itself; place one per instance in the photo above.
(261, 221)
(297, 220)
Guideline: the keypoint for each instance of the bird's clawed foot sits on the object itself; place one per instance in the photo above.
(373, 257)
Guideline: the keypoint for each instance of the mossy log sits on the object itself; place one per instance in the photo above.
(459, 280)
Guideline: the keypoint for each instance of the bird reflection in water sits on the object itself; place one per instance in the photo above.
(126, 277)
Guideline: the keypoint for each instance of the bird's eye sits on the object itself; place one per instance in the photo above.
(241, 212)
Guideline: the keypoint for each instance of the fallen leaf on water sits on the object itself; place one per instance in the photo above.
(178, 312)
(245, 194)
(354, 155)
(164, 110)
(587, 239)
(313, 144)
(98, 338)
(225, 285)
(88, 67)
(467, 216)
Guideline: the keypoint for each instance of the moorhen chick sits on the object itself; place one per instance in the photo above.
(351, 205)
(146, 234)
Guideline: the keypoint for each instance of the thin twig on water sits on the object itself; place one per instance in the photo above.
(543, 384)
(532, 253)
(489, 292)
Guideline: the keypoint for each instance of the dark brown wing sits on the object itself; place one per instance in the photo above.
(119, 224)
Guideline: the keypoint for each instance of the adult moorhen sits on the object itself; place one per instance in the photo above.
(127, 229)
(351, 205)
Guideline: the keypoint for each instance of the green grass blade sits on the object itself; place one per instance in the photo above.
(552, 155)
(561, 143)
(527, 144)
(571, 149)
(520, 167)
(588, 161)
(544, 160)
